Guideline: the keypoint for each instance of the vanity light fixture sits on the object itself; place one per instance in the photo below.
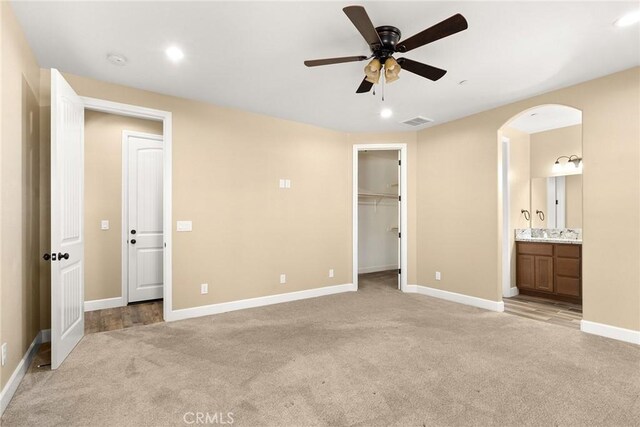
(573, 162)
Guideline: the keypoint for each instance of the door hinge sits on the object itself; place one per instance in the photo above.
(399, 235)
(556, 202)
(399, 271)
(399, 198)
(399, 162)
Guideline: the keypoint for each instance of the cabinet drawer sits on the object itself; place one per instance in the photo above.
(568, 250)
(569, 267)
(568, 286)
(535, 248)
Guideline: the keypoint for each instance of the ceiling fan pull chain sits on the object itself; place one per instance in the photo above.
(374, 90)
(383, 90)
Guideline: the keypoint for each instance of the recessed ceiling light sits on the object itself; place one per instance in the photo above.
(117, 59)
(386, 113)
(628, 19)
(174, 53)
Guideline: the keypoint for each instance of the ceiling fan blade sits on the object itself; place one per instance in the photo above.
(449, 26)
(329, 61)
(365, 86)
(360, 19)
(424, 70)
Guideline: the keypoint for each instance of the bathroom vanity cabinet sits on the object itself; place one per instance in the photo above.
(549, 270)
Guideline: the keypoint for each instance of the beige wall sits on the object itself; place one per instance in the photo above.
(539, 202)
(226, 167)
(519, 188)
(103, 199)
(547, 146)
(19, 193)
(468, 195)
(573, 189)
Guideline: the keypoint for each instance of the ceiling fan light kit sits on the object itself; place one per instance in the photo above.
(384, 41)
(372, 71)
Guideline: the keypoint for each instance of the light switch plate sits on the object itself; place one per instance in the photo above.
(282, 183)
(287, 183)
(184, 226)
(283, 279)
(104, 224)
(331, 273)
(204, 288)
(438, 275)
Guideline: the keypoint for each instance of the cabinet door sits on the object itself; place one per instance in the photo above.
(525, 271)
(544, 273)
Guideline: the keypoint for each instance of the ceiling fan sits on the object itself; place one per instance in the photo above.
(384, 41)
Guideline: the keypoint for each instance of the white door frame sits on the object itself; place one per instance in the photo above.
(166, 118)
(125, 205)
(403, 207)
(503, 184)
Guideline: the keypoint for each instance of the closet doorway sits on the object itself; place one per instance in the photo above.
(379, 215)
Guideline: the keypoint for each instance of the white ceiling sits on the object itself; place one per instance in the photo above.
(250, 55)
(546, 117)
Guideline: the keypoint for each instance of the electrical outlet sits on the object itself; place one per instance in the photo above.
(4, 354)
(331, 272)
(283, 279)
(104, 224)
(204, 288)
(438, 275)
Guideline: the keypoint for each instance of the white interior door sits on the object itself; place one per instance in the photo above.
(145, 238)
(399, 221)
(67, 219)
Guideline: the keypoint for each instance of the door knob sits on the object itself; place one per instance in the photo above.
(133, 231)
(62, 256)
(46, 257)
(133, 241)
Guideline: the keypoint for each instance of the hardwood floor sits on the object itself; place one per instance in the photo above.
(110, 319)
(556, 312)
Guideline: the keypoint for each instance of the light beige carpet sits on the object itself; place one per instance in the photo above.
(375, 357)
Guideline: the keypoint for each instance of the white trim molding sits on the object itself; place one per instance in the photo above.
(207, 310)
(18, 374)
(455, 297)
(608, 331)
(512, 292)
(167, 134)
(101, 304)
(404, 252)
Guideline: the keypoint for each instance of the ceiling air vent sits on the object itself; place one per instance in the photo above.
(417, 121)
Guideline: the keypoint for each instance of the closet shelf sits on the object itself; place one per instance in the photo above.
(379, 195)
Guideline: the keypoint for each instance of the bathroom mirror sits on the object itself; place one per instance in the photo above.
(556, 202)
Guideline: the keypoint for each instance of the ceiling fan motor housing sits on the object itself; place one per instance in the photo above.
(389, 36)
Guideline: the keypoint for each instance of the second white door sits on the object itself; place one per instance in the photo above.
(144, 223)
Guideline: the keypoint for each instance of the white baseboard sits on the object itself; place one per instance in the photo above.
(376, 268)
(455, 297)
(604, 330)
(223, 307)
(512, 292)
(101, 304)
(12, 385)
